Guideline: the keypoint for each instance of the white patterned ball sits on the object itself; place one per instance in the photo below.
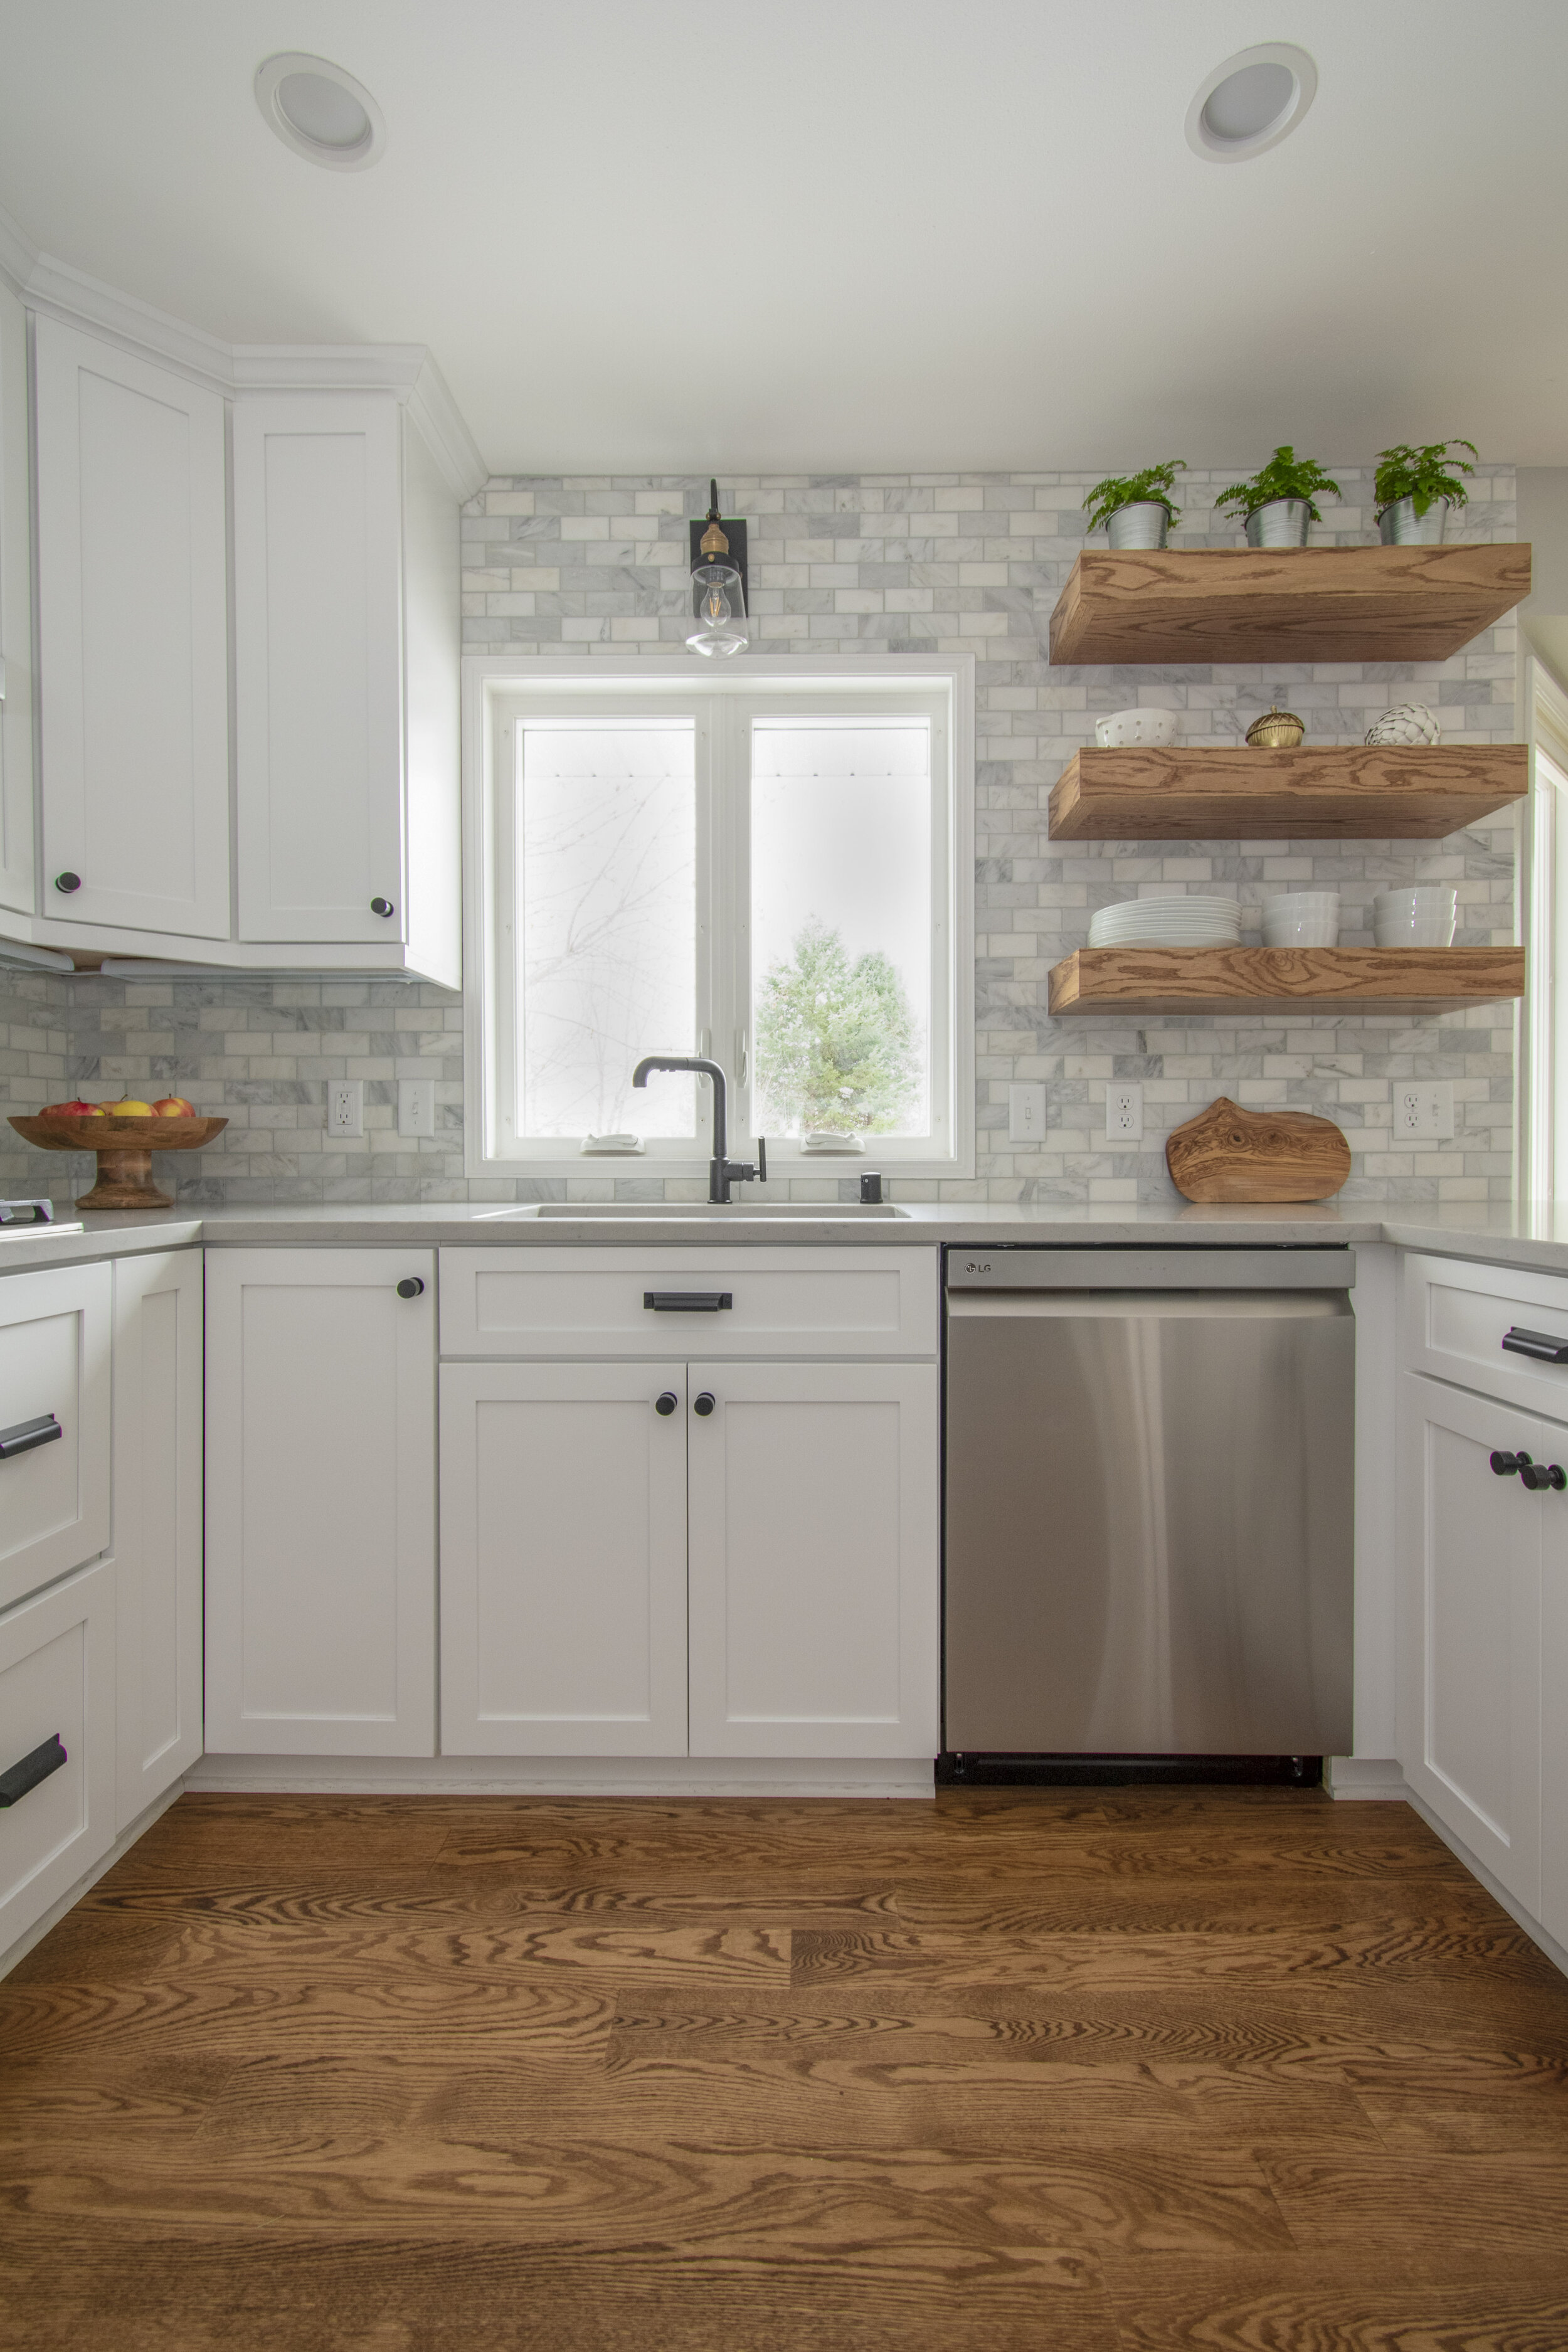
(1408, 722)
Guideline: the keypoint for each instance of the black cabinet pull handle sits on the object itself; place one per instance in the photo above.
(16, 1782)
(410, 1287)
(1538, 1344)
(23, 1436)
(704, 1404)
(688, 1302)
(666, 1403)
(68, 883)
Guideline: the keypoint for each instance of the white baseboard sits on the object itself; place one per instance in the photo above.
(88, 1879)
(1374, 1778)
(1555, 1952)
(904, 1777)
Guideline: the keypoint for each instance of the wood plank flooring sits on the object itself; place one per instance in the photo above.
(1119, 2071)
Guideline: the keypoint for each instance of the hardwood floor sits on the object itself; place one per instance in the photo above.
(1119, 2071)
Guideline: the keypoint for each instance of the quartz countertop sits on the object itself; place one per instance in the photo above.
(1525, 1237)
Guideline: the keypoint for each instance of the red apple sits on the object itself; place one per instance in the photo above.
(69, 1111)
(173, 1107)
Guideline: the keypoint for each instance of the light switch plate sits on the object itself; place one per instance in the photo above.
(345, 1106)
(1422, 1113)
(416, 1105)
(1123, 1112)
(1026, 1113)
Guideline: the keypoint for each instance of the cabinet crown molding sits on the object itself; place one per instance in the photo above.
(405, 370)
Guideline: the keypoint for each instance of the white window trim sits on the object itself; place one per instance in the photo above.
(1537, 1175)
(486, 681)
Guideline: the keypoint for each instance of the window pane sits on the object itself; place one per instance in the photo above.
(606, 839)
(841, 926)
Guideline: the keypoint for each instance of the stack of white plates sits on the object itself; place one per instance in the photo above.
(1168, 923)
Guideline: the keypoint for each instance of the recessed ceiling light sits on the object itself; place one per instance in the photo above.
(1251, 102)
(321, 112)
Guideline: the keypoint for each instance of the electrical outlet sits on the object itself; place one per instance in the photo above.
(1123, 1112)
(1423, 1113)
(1025, 1114)
(416, 1105)
(345, 1106)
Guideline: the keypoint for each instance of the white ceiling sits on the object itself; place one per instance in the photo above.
(860, 234)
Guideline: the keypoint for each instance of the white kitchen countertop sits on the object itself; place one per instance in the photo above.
(1527, 1236)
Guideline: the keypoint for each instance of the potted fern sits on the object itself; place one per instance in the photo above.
(1279, 500)
(1415, 487)
(1136, 509)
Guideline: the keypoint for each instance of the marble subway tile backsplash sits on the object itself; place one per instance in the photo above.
(870, 564)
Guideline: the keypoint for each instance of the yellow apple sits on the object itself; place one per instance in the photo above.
(129, 1108)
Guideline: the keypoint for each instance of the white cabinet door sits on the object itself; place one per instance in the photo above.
(562, 1560)
(319, 693)
(57, 1691)
(54, 1367)
(15, 614)
(814, 1560)
(321, 1503)
(1554, 1912)
(134, 640)
(157, 1522)
(1469, 1711)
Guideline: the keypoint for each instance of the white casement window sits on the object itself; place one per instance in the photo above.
(771, 868)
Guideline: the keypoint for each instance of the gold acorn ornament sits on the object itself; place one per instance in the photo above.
(1277, 731)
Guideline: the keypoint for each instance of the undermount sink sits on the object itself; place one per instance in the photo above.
(731, 1211)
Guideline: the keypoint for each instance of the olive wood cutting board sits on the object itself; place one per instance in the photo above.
(1230, 1154)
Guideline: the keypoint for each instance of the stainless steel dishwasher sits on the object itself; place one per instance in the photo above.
(1149, 1504)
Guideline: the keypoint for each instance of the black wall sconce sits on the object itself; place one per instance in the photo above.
(719, 588)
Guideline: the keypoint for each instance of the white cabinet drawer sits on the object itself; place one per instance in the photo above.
(1456, 1317)
(56, 1668)
(54, 1360)
(536, 1301)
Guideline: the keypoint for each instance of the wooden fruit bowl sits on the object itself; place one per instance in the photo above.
(124, 1149)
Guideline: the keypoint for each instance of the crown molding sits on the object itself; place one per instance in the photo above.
(440, 420)
(405, 370)
(70, 295)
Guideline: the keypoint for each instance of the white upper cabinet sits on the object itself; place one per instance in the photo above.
(318, 567)
(346, 631)
(132, 641)
(16, 615)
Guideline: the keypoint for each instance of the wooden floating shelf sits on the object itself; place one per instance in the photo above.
(1284, 603)
(1117, 981)
(1342, 791)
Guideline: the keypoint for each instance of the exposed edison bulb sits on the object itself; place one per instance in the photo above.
(716, 608)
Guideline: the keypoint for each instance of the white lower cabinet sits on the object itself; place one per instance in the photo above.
(321, 1502)
(760, 1555)
(564, 1560)
(1474, 1545)
(814, 1560)
(54, 1423)
(56, 1743)
(157, 1522)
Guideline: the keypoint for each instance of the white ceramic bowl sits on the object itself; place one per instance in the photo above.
(1302, 919)
(1120, 728)
(1425, 918)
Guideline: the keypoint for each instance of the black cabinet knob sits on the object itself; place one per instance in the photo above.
(1542, 1477)
(666, 1403)
(410, 1287)
(704, 1404)
(382, 907)
(1505, 1465)
(68, 883)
